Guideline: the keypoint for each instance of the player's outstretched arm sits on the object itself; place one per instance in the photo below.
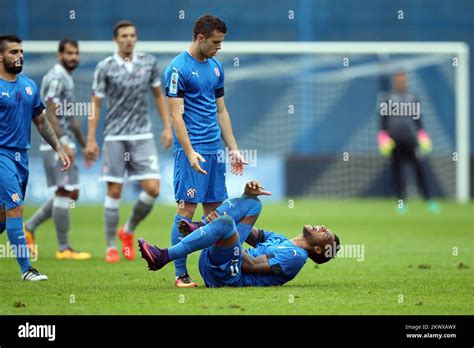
(91, 151)
(47, 132)
(176, 107)
(159, 98)
(236, 159)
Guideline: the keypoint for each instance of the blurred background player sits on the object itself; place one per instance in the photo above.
(57, 90)
(272, 260)
(195, 90)
(129, 147)
(20, 104)
(403, 138)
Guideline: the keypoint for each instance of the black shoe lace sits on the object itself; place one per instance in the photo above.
(34, 271)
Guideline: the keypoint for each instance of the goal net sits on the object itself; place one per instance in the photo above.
(309, 111)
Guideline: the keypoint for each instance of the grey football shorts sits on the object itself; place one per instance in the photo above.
(68, 180)
(134, 160)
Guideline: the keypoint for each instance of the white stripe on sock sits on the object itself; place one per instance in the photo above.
(61, 202)
(111, 203)
(146, 198)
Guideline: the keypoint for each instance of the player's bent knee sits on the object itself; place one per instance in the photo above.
(253, 205)
(228, 225)
(153, 191)
(256, 207)
(114, 192)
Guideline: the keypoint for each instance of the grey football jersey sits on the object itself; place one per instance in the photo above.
(58, 86)
(401, 128)
(126, 86)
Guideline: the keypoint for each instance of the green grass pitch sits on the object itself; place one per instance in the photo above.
(415, 263)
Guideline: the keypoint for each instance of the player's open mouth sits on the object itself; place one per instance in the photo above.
(19, 62)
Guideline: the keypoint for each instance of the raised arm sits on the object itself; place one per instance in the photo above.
(159, 99)
(176, 107)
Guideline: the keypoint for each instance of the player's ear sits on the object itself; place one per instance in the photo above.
(200, 38)
(318, 250)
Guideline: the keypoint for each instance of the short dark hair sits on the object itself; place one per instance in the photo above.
(206, 24)
(64, 42)
(323, 257)
(122, 24)
(8, 38)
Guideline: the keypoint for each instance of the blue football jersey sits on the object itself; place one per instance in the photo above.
(285, 258)
(19, 103)
(199, 84)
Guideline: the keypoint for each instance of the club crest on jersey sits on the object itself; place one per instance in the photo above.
(28, 90)
(191, 193)
(16, 197)
(217, 72)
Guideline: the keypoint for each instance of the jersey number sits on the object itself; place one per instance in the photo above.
(153, 162)
(234, 268)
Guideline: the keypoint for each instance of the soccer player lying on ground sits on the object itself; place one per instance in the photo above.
(273, 260)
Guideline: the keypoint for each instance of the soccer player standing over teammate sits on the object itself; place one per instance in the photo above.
(129, 147)
(20, 104)
(195, 90)
(57, 88)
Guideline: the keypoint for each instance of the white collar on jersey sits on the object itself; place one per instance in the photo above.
(120, 61)
(128, 65)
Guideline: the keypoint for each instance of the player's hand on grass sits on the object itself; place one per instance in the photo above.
(194, 158)
(91, 152)
(237, 162)
(64, 159)
(254, 188)
(166, 137)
